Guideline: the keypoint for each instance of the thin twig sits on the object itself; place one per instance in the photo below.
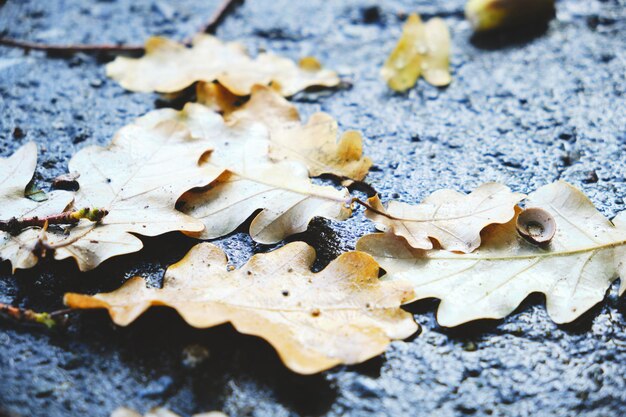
(209, 27)
(15, 225)
(225, 7)
(49, 320)
(70, 48)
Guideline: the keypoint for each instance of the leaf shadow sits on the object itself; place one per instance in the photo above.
(371, 368)
(511, 38)
(483, 327)
(237, 364)
(42, 287)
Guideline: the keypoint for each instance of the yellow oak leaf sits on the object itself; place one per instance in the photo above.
(169, 67)
(138, 178)
(281, 190)
(16, 172)
(423, 49)
(343, 314)
(454, 219)
(315, 144)
(573, 270)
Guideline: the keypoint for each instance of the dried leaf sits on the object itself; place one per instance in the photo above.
(16, 173)
(138, 178)
(315, 321)
(160, 412)
(573, 271)
(454, 219)
(168, 67)
(217, 98)
(314, 144)
(423, 49)
(283, 191)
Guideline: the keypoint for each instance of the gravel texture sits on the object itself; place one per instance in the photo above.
(525, 109)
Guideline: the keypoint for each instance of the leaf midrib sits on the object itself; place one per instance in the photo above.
(281, 187)
(470, 256)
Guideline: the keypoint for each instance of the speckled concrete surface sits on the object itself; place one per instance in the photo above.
(524, 109)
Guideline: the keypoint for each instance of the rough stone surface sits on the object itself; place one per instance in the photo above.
(524, 109)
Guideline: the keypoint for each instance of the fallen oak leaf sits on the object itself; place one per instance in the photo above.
(343, 314)
(284, 194)
(314, 144)
(423, 49)
(454, 219)
(16, 173)
(169, 66)
(282, 191)
(137, 179)
(573, 271)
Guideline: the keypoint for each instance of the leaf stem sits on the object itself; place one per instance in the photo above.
(209, 27)
(369, 207)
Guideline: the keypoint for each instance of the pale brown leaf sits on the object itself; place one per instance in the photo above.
(15, 174)
(138, 178)
(169, 67)
(316, 144)
(315, 321)
(573, 271)
(281, 190)
(454, 219)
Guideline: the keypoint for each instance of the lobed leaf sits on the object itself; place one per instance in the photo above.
(169, 66)
(138, 178)
(343, 314)
(454, 219)
(282, 191)
(574, 271)
(423, 49)
(315, 144)
(16, 173)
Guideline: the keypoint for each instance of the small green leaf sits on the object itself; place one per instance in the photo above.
(35, 193)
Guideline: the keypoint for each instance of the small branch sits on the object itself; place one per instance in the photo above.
(15, 226)
(50, 320)
(225, 7)
(70, 48)
(209, 27)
